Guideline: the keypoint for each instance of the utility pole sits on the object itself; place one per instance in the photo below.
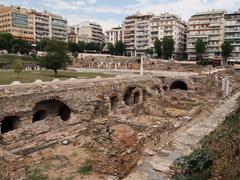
(141, 67)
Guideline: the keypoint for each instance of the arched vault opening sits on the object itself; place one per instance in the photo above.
(179, 85)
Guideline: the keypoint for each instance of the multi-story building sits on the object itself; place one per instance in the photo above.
(58, 28)
(17, 21)
(75, 38)
(136, 33)
(208, 26)
(141, 30)
(232, 33)
(42, 25)
(31, 25)
(114, 35)
(170, 25)
(143, 34)
(90, 30)
(129, 33)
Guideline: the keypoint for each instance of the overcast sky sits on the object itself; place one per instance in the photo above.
(110, 13)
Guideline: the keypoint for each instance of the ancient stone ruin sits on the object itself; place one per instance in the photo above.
(110, 121)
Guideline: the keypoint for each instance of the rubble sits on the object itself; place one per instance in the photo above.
(113, 121)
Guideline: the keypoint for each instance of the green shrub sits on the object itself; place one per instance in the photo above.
(199, 161)
(36, 174)
(86, 168)
(204, 62)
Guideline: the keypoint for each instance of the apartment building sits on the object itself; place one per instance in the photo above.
(170, 25)
(89, 30)
(17, 21)
(42, 25)
(136, 32)
(210, 27)
(114, 35)
(58, 28)
(143, 34)
(129, 32)
(232, 33)
(48, 25)
(75, 38)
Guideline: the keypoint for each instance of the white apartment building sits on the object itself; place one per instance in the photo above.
(42, 26)
(58, 28)
(141, 30)
(210, 27)
(48, 25)
(134, 33)
(143, 37)
(114, 35)
(170, 25)
(232, 33)
(129, 32)
(89, 30)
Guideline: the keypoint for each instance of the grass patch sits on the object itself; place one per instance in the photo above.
(218, 155)
(86, 168)
(37, 174)
(9, 59)
(7, 77)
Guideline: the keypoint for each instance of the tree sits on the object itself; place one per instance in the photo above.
(21, 46)
(73, 47)
(18, 66)
(200, 47)
(168, 47)
(158, 47)
(149, 51)
(81, 46)
(111, 48)
(6, 41)
(57, 56)
(227, 49)
(120, 48)
(42, 44)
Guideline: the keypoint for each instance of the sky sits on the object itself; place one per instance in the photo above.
(111, 13)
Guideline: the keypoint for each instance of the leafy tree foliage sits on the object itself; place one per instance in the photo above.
(200, 47)
(168, 47)
(18, 66)
(6, 41)
(227, 49)
(158, 47)
(42, 44)
(149, 51)
(111, 48)
(120, 48)
(21, 46)
(57, 56)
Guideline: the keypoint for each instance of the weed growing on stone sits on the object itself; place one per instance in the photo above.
(86, 168)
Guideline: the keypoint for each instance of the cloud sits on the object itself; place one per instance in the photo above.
(92, 1)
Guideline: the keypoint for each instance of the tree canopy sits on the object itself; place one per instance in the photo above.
(120, 48)
(227, 49)
(158, 48)
(168, 47)
(200, 47)
(111, 48)
(57, 56)
(18, 66)
(6, 41)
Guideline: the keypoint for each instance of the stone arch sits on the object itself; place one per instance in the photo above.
(133, 95)
(51, 108)
(114, 102)
(179, 84)
(39, 115)
(9, 123)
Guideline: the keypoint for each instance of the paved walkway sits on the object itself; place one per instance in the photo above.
(121, 71)
(155, 165)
